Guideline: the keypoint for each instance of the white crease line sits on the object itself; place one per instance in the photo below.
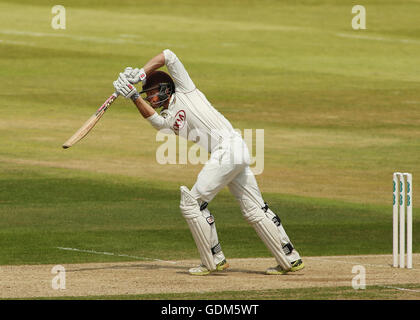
(113, 254)
(352, 263)
(344, 35)
(401, 289)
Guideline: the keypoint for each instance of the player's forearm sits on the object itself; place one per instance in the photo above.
(157, 121)
(154, 63)
(144, 108)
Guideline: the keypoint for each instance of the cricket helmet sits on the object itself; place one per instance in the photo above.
(163, 82)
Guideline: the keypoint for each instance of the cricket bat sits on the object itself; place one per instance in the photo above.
(88, 125)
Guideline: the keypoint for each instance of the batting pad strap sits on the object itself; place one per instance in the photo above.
(288, 248)
(216, 249)
(265, 208)
(276, 220)
(203, 206)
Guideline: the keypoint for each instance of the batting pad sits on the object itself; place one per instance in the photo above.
(266, 227)
(269, 234)
(200, 226)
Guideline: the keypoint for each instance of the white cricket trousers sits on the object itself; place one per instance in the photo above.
(229, 166)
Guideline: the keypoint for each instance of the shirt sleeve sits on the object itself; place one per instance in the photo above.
(158, 122)
(183, 82)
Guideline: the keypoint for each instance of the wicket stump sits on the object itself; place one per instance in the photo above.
(402, 203)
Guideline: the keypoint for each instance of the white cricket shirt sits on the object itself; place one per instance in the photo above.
(189, 114)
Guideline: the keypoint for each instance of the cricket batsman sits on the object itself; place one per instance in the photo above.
(186, 112)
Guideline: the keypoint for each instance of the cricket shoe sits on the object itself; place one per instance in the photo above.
(202, 270)
(296, 266)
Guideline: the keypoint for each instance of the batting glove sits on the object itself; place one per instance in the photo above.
(135, 75)
(125, 88)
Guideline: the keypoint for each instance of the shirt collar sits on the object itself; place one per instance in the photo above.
(170, 105)
(171, 100)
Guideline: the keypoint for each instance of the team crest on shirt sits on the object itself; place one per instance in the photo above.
(180, 119)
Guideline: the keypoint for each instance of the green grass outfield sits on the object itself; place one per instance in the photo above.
(50, 208)
(340, 109)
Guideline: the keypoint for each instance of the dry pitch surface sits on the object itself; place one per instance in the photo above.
(154, 277)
